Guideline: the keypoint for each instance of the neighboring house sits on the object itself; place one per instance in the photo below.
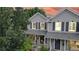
(59, 33)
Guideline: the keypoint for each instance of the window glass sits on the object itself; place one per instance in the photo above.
(74, 45)
(58, 26)
(72, 26)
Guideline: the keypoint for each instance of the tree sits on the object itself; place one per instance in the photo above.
(32, 11)
(5, 18)
(13, 23)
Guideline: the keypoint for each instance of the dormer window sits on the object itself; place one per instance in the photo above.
(33, 25)
(58, 26)
(72, 26)
(42, 25)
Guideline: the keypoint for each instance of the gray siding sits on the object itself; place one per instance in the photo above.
(49, 26)
(38, 18)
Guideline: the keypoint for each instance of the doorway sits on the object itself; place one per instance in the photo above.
(57, 44)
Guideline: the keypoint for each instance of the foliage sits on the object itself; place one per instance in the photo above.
(43, 48)
(27, 44)
(13, 23)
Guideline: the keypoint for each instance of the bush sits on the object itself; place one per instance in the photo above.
(43, 48)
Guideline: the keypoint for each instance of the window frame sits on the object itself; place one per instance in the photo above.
(72, 28)
(41, 25)
(34, 27)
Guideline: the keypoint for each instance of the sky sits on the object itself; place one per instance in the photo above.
(55, 10)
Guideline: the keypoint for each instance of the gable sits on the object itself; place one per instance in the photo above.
(38, 18)
(66, 16)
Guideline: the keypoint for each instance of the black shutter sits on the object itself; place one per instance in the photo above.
(77, 27)
(36, 25)
(67, 26)
(39, 25)
(45, 26)
(53, 26)
(62, 28)
(31, 25)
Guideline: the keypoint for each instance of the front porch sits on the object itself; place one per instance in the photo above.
(51, 43)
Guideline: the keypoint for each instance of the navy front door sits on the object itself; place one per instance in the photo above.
(57, 44)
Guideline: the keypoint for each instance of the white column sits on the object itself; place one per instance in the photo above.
(61, 45)
(50, 44)
(44, 41)
(39, 40)
(35, 40)
(64, 45)
(53, 43)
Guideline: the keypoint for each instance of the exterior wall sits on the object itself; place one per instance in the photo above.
(38, 18)
(49, 27)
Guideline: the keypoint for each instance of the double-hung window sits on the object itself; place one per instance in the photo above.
(58, 26)
(72, 26)
(33, 25)
(42, 25)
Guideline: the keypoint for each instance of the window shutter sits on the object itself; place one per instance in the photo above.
(36, 25)
(31, 25)
(39, 25)
(62, 28)
(67, 25)
(77, 27)
(53, 26)
(45, 26)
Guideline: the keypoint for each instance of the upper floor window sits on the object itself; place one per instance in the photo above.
(72, 26)
(33, 25)
(42, 25)
(58, 26)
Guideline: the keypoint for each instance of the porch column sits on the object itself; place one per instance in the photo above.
(38, 42)
(53, 44)
(35, 41)
(65, 45)
(50, 44)
(61, 45)
(44, 41)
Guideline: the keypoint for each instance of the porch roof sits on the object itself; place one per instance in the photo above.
(36, 32)
(63, 35)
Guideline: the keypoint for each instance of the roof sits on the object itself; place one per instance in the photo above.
(38, 14)
(36, 32)
(67, 10)
(62, 35)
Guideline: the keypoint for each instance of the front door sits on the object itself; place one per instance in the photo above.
(57, 44)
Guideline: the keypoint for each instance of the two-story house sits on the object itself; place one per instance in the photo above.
(58, 33)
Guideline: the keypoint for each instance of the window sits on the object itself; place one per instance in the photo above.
(33, 25)
(74, 45)
(42, 26)
(72, 26)
(58, 26)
